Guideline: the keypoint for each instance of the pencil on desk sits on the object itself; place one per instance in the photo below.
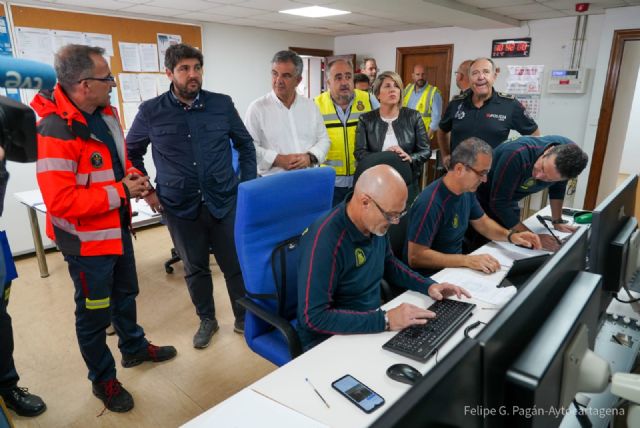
(316, 391)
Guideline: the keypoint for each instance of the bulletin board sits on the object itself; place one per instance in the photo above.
(121, 30)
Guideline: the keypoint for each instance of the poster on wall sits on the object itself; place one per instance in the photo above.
(5, 40)
(164, 41)
(525, 79)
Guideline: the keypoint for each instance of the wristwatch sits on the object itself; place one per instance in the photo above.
(313, 160)
(386, 321)
(511, 232)
(559, 221)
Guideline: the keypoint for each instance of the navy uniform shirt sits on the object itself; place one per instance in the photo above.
(510, 178)
(439, 218)
(339, 277)
(491, 122)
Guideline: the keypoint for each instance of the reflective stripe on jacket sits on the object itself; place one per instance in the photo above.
(76, 177)
(343, 137)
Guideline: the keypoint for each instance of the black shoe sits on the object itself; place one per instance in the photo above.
(150, 353)
(113, 395)
(238, 326)
(205, 332)
(21, 401)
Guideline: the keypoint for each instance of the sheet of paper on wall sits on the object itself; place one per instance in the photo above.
(104, 41)
(130, 56)
(114, 100)
(35, 44)
(162, 83)
(27, 95)
(129, 87)
(148, 87)
(525, 79)
(148, 57)
(63, 38)
(129, 110)
(164, 41)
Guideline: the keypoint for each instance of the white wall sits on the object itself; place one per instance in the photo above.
(237, 60)
(614, 19)
(237, 63)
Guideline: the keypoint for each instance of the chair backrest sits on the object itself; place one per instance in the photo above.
(385, 158)
(271, 214)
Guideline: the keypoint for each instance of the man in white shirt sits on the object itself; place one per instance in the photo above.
(287, 129)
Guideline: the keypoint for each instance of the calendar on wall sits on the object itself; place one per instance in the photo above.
(531, 103)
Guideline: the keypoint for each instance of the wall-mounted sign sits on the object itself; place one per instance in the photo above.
(511, 48)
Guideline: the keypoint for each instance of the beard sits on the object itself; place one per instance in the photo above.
(184, 91)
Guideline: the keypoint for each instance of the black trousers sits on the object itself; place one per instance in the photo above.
(8, 375)
(192, 240)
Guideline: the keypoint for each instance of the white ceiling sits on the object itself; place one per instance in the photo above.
(367, 16)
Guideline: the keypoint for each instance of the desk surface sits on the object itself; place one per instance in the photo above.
(144, 217)
(362, 356)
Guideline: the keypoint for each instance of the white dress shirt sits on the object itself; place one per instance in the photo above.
(277, 129)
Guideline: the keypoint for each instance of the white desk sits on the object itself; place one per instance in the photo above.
(32, 199)
(360, 355)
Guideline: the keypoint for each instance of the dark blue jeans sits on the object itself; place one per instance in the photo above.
(8, 375)
(105, 292)
(192, 240)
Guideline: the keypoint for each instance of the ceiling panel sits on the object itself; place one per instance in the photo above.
(368, 16)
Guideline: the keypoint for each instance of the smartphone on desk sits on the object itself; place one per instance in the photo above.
(358, 393)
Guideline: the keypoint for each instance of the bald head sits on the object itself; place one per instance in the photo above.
(380, 181)
(379, 199)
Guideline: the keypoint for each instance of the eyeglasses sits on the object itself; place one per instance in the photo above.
(390, 217)
(481, 174)
(108, 79)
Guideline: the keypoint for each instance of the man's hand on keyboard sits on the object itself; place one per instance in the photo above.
(407, 315)
(444, 289)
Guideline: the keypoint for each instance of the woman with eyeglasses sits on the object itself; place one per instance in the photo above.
(393, 128)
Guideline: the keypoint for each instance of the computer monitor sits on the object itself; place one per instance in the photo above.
(542, 382)
(611, 228)
(450, 395)
(513, 327)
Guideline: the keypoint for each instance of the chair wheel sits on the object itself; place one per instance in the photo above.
(168, 269)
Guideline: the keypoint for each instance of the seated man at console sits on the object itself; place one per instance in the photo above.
(344, 256)
(526, 166)
(441, 214)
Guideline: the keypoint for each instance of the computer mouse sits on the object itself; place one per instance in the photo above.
(404, 373)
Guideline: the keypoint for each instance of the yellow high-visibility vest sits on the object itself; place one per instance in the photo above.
(423, 107)
(342, 136)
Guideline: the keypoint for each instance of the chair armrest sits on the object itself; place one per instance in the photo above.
(290, 334)
(389, 291)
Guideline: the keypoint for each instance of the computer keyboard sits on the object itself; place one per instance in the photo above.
(419, 342)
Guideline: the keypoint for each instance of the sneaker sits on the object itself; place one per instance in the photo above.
(113, 395)
(21, 401)
(150, 353)
(205, 332)
(238, 326)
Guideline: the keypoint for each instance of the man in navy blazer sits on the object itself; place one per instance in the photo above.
(189, 131)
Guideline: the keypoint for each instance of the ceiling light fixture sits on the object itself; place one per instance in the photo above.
(315, 12)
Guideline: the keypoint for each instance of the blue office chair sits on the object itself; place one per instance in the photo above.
(271, 214)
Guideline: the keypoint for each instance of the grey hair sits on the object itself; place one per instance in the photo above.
(289, 56)
(365, 61)
(468, 150)
(335, 61)
(493, 64)
(74, 63)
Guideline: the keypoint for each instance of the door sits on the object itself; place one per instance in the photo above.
(437, 61)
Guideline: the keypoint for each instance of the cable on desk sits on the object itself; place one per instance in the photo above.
(472, 327)
(615, 296)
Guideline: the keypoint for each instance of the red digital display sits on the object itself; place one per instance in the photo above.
(511, 48)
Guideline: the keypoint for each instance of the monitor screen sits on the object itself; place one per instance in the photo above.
(540, 388)
(450, 395)
(511, 330)
(608, 219)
